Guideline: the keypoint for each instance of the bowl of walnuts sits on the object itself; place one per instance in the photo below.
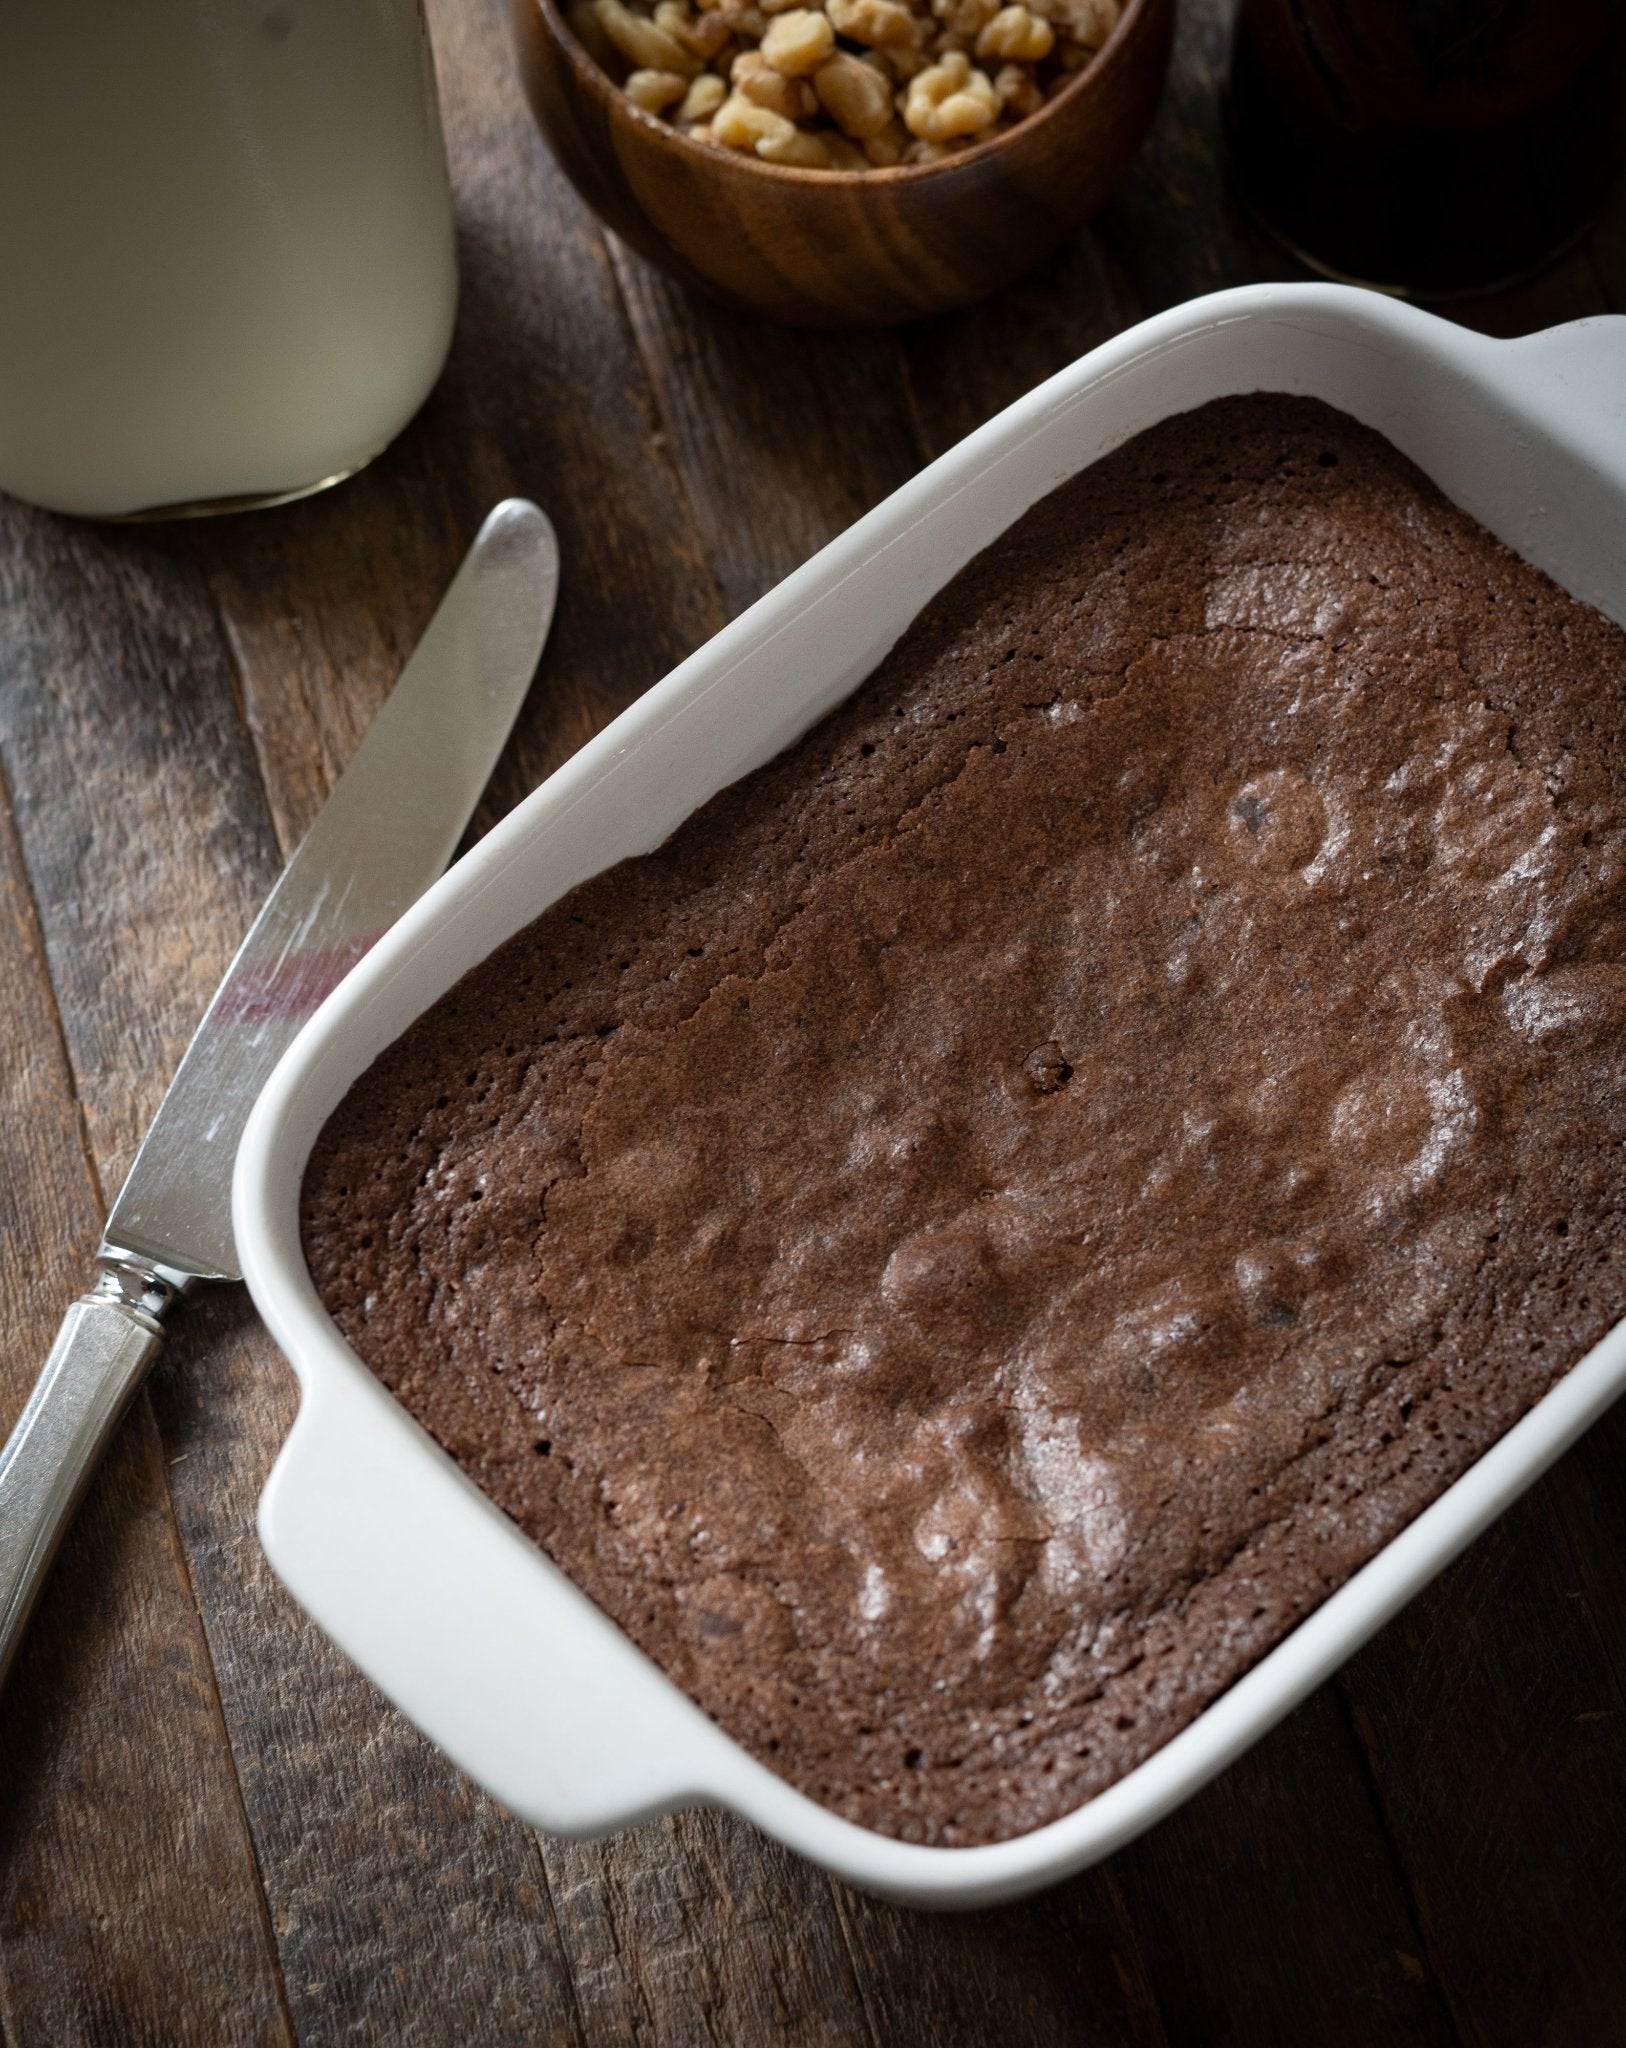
(844, 162)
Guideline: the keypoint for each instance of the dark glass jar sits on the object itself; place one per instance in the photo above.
(1433, 146)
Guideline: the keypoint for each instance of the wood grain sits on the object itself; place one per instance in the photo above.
(211, 1828)
(1492, 1713)
(125, 1863)
(1276, 1883)
(694, 1930)
(779, 447)
(1065, 1970)
(137, 804)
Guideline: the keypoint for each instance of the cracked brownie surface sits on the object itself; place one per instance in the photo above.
(970, 1241)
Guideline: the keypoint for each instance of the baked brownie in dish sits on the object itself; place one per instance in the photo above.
(964, 1246)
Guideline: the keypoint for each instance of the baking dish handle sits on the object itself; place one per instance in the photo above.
(1574, 377)
(482, 1642)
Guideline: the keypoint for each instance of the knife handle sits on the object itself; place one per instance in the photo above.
(103, 1348)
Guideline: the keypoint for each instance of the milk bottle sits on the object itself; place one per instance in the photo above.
(226, 263)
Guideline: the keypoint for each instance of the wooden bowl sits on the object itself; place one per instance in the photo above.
(845, 248)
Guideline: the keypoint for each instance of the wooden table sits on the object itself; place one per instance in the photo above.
(211, 1829)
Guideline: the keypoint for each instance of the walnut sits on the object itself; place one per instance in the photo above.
(870, 21)
(752, 74)
(1016, 35)
(799, 42)
(800, 147)
(854, 94)
(948, 99)
(704, 33)
(887, 148)
(740, 123)
(965, 18)
(1018, 89)
(655, 91)
(645, 47)
(844, 85)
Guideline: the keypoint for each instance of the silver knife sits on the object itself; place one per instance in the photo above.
(386, 831)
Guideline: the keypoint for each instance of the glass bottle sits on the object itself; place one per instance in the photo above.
(227, 273)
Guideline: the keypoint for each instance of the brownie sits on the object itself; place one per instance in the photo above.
(964, 1246)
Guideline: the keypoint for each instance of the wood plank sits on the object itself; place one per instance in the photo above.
(1274, 1886)
(695, 1929)
(1589, 1496)
(407, 1906)
(129, 1904)
(130, 780)
(1067, 1968)
(782, 438)
(1493, 1717)
(965, 367)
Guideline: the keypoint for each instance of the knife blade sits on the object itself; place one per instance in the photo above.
(386, 831)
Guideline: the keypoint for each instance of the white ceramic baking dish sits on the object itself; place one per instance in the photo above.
(433, 1592)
